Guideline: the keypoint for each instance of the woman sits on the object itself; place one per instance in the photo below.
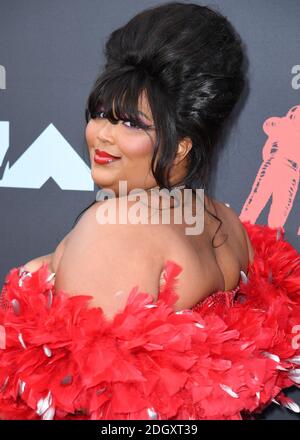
(142, 320)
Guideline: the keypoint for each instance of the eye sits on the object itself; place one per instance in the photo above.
(133, 125)
(139, 126)
(100, 114)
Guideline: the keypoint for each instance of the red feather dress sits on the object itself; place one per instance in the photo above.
(227, 358)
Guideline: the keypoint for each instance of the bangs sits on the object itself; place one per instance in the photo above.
(118, 96)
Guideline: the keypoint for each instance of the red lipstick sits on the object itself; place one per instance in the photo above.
(102, 157)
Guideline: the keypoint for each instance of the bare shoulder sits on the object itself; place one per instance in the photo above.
(52, 259)
(113, 255)
(207, 269)
(34, 264)
(249, 245)
(118, 220)
(119, 214)
(236, 227)
(226, 213)
(59, 250)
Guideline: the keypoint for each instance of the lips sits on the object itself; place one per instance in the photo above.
(104, 158)
(104, 154)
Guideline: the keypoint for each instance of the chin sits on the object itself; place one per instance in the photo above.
(101, 181)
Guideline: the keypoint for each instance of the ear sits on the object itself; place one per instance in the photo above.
(183, 149)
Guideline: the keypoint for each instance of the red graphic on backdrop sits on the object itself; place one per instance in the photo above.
(278, 175)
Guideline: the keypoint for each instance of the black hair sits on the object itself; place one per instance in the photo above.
(188, 59)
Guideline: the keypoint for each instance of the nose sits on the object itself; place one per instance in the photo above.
(105, 132)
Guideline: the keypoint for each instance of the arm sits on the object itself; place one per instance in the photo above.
(34, 264)
(52, 259)
(250, 247)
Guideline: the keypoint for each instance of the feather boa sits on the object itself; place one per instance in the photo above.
(227, 358)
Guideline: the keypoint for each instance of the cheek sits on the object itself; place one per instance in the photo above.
(138, 147)
(89, 134)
